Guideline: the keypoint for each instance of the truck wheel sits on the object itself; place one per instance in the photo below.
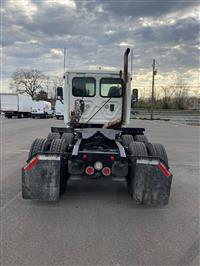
(136, 149)
(126, 140)
(141, 138)
(68, 137)
(158, 150)
(60, 145)
(53, 135)
(37, 146)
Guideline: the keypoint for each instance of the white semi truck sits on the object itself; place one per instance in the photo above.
(12, 104)
(41, 109)
(97, 142)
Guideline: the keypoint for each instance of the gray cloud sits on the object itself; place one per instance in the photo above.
(97, 32)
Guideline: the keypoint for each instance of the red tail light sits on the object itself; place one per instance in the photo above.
(85, 157)
(112, 158)
(89, 170)
(106, 171)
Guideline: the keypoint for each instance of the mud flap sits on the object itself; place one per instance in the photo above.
(41, 178)
(152, 182)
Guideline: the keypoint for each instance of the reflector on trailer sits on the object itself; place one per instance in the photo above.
(163, 169)
(106, 171)
(33, 162)
(89, 170)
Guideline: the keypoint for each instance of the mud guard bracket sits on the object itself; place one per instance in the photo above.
(41, 178)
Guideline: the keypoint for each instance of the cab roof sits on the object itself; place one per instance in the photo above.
(93, 72)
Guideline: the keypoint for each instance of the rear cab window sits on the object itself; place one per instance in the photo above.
(83, 87)
(111, 87)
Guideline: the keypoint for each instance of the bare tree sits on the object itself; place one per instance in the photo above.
(27, 81)
(181, 94)
(168, 93)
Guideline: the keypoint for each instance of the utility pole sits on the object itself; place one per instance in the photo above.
(152, 91)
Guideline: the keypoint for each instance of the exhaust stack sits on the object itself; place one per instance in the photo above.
(125, 81)
(125, 77)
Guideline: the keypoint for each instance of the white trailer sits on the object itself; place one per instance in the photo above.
(12, 104)
(59, 109)
(41, 109)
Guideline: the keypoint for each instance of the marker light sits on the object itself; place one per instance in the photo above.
(85, 156)
(112, 158)
(98, 166)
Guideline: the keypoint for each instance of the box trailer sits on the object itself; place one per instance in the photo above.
(12, 104)
(41, 109)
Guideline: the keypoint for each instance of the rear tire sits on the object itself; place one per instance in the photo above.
(53, 135)
(141, 138)
(68, 137)
(126, 140)
(60, 145)
(158, 150)
(37, 146)
(136, 149)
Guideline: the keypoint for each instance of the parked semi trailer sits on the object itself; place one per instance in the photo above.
(97, 142)
(12, 104)
(41, 109)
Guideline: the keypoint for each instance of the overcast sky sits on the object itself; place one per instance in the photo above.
(96, 33)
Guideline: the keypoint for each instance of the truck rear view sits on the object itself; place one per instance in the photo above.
(97, 142)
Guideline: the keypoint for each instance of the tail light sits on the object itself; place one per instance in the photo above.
(89, 170)
(106, 171)
(85, 157)
(112, 158)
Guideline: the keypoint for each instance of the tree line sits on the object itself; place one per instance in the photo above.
(42, 87)
(35, 83)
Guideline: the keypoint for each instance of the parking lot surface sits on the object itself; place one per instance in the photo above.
(96, 222)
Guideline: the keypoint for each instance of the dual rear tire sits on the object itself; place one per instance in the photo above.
(54, 144)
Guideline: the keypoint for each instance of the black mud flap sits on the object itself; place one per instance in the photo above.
(152, 182)
(41, 178)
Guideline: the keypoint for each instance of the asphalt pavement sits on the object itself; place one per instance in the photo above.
(96, 222)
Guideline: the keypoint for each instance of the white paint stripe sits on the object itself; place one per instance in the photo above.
(10, 201)
(143, 161)
(48, 158)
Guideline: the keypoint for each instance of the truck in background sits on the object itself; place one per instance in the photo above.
(13, 104)
(41, 109)
(59, 109)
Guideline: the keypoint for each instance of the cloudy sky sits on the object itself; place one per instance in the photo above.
(96, 34)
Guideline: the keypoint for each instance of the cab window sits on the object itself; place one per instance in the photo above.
(111, 87)
(83, 87)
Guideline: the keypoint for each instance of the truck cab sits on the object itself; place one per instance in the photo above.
(95, 98)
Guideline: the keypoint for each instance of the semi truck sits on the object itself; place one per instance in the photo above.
(41, 109)
(97, 142)
(17, 105)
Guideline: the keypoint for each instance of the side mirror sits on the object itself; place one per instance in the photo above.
(134, 96)
(59, 93)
